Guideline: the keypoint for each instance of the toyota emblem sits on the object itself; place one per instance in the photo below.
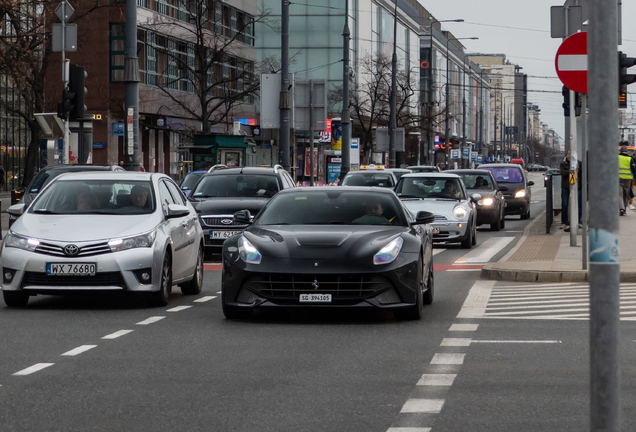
(71, 250)
(227, 221)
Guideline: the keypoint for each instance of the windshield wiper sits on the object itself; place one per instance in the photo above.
(410, 196)
(325, 223)
(44, 211)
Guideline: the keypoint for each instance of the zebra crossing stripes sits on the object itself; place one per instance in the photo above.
(565, 301)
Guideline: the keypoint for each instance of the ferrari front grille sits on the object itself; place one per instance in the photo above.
(341, 287)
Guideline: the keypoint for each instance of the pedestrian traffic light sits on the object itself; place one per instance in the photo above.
(624, 79)
(76, 86)
(66, 106)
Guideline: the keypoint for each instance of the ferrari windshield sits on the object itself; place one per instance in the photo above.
(336, 206)
(112, 196)
(430, 187)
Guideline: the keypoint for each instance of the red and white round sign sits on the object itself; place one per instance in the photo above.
(571, 62)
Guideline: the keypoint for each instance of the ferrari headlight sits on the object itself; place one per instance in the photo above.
(248, 252)
(125, 243)
(459, 212)
(16, 241)
(520, 194)
(389, 252)
(486, 202)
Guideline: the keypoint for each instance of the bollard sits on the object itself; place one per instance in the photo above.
(549, 212)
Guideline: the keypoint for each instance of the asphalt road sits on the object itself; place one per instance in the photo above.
(113, 364)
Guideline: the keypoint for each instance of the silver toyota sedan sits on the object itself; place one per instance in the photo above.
(103, 231)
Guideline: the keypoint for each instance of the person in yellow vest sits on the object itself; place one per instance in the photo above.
(626, 168)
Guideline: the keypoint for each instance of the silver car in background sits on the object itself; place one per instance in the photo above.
(103, 231)
(445, 196)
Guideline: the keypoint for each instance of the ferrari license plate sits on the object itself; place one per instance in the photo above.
(71, 269)
(435, 230)
(223, 234)
(315, 298)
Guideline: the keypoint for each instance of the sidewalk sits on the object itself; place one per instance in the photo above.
(541, 257)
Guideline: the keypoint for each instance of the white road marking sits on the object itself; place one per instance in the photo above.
(436, 251)
(475, 304)
(219, 292)
(560, 284)
(204, 299)
(432, 406)
(486, 251)
(151, 320)
(178, 308)
(408, 429)
(438, 379)
(456, 342)
(519, 341)
(79, 350)
(463, 270)
(35, 368)
(448, 359)
(463, 327)
(117, 334)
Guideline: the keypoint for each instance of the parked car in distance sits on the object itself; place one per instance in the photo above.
(50, 172)
(445, 196)
(491, 207)
(222, 192)
(330, 247)
(189, 181)
(424, 168)
(549, 173)
(103, 231)
(369, 176)
(518, 195)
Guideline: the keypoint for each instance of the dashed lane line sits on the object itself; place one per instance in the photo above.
(448, 358)
(436, 380)
(408, 429)
(117, 334)
(427, 406)
(32, 369)
(463, 327)
(79, 350)
(151, 320)
(178, 308)
(204, 299)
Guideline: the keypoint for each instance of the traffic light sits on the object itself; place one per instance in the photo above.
(76, 86)
(566, 102)
(65, 107)
(624, 79)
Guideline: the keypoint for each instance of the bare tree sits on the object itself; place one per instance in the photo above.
(205, 55)
(24, 58)
(369, 102)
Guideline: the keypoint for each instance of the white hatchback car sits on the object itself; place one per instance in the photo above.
(103, 231)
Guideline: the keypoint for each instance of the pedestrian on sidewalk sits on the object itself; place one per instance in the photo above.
(631, 189)
(626, 168)
(564, 170)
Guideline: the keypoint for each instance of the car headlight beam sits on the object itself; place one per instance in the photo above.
(520, 194)
(20, 242)
(138, 241)
(486, 202)
(248, 252)
(460, 212)
(389, 252)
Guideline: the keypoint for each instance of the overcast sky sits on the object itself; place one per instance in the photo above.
(521, 31)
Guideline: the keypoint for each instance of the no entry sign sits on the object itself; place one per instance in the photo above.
(571, 62)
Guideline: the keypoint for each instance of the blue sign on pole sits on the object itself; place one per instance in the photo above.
(118, 129)
(473, 156)
(489, 159)
(465, 151)
(455, 154)
(480, 158)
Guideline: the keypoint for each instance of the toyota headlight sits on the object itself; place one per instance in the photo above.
(520, 194)
(389, 252)
(486, 202)
(16, 241)
(125, 243)
(460, 212)
(248, 252)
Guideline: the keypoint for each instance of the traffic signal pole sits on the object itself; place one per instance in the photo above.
(604, 272)
(131, 79)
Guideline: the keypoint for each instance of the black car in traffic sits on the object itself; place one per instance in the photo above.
(330, 247)
(518, 195)
(223, 191)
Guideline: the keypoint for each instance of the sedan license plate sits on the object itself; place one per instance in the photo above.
(223, 234)
(315, 298)
(71, 269)
(435, 230)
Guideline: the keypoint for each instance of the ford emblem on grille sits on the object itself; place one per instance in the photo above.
(315, 284)
(227, 221)
(71, 250)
